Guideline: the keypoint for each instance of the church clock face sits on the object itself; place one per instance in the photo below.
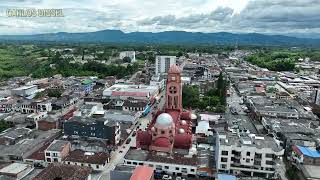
(173, 89)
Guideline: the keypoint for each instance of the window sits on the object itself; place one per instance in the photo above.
(48, 159)
(97, 166)
(177, 168)
(141, 164)
(258, 156)
(55, 159)
(47, 154)
(128, 162)
(269, 155)
(224, 159)
(269, 162)
(68, 162)
(55, 155)
(184, 170)
(192, 170)
(166, 167)
(134, 163)
(223, 166)
(150, 165)
(162, 132)
(158, 167)
(225, 153)
(248, 153)
(247, 160)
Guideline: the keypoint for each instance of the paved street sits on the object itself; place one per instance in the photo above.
(117, 157)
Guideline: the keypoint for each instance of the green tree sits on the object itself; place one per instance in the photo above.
(5, 125)
(40, 95)
(126, 60)
(190, 96)
(54, 93)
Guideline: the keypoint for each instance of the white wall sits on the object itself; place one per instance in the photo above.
(171, 167)
(161, 64)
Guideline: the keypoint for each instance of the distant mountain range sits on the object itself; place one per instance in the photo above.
(167, 37)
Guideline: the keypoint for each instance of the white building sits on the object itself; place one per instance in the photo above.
(25, 91)
(57, 151)
(96, 161)
(163, 64)
(124, 91)
(15, 171)
(247, 154)
(182, 166)
(130, 54)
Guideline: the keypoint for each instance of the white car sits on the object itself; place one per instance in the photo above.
(180, 178)
(166, 177)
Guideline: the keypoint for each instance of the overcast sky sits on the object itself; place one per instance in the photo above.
(289, 17)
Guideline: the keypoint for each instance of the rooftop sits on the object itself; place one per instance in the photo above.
(64, 171)
(57, 145)
(86, 157)
(15, 133)
(250, 140)
(142, 173)
(15, 168)
(176, 158)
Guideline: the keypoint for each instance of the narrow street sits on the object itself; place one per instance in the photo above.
(117, 157)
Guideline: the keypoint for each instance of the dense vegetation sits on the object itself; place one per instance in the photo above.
(213, 101)
(274, 61)
(4, 125)
(281, 60)
(57, 65)
(39, 60)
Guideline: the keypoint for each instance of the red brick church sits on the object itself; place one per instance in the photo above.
(170, 128)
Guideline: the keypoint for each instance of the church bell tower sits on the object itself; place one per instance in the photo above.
(174, 89)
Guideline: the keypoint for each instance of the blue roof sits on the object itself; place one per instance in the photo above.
(308, 152)
(226, 177)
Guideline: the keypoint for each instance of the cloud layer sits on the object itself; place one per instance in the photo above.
(294, 17)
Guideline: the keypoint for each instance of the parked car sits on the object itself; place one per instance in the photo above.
(167, 177)
(134, 133)
(180, 178)
(128, 141)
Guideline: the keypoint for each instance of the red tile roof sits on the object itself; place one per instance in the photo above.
(142, 173)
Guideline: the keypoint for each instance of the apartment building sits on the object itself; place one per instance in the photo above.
(247, 154)
(163, 64)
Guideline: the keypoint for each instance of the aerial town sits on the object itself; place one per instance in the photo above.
(141, 127)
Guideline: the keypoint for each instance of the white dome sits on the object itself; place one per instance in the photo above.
(164, 119)
(153, 129)
(193, 116)
(183, 122)
(181, 131)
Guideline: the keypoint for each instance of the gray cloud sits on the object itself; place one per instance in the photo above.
(263, 16)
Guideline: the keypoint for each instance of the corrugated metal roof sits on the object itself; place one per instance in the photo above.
(308, 152)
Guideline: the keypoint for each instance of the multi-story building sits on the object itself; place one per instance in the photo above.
(130, 54)
(57, 151)
(247, 154)
(87, 86)
(93, 127)
(27, 106)
(25, 91)
(163, 64)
